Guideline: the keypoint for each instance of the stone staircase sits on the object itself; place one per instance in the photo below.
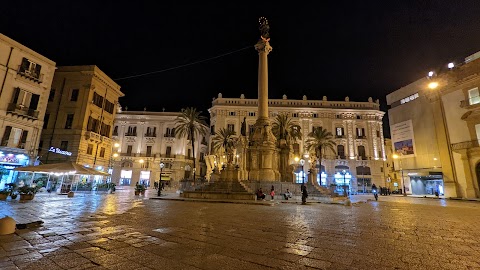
(229, 190)
(225, 186)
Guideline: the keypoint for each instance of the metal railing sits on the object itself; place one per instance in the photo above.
(22, 110)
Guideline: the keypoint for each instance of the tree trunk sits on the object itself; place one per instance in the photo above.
(321, 159)
(193, 152)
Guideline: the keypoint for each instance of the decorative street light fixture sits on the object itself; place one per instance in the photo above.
(162, 165)
(395, 156)
(302, 162)
(344, 172)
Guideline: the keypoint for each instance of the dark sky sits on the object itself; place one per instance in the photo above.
(332, 48)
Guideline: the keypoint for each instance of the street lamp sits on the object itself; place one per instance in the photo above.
(162, 165)
(302, 162)
(344, 172)
(395, 156)
(111, 161)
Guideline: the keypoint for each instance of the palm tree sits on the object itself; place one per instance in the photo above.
(224, 140)
(319, 140)
(190, 124)
(284, 129)
(286, 133)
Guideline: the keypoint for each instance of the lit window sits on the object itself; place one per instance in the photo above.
(473, 96)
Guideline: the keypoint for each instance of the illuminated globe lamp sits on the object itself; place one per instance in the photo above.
(162, 165)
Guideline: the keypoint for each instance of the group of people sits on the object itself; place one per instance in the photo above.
(162, 185)
(384, 191)
(286, 195)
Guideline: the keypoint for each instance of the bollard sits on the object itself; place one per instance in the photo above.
(7, 225)
(348, 202)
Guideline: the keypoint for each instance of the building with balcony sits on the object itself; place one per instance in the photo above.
(25, 80)
(79, 120)
(144, 140)
(356, 126)
(435, 127)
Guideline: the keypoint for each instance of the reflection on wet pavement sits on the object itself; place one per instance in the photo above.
(122, 231)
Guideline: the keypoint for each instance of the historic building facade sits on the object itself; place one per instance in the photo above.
(435, 126)
(144, 139)
(357, 128)
(25, 80)
(79, 120)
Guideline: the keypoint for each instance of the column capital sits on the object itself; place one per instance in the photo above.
(263, 46)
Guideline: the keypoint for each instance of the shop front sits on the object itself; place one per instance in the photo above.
(9, 160)
(430, 183)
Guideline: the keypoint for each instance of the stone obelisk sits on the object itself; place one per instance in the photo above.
(263, 155)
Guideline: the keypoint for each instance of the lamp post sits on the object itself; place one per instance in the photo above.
(302, 162)
(162, 165)
(344, 172)
(395, 156)
(111, 161)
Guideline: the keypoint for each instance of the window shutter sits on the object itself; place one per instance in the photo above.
(343, 132)
(6, 135)
(16, 93)
(89, 124)
(34, 102)
(37, 70)
(25, 64)
(363, 132)
(23, 140)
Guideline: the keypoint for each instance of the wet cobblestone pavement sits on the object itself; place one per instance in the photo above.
(123, 231)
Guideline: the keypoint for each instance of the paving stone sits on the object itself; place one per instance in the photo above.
(393, 233)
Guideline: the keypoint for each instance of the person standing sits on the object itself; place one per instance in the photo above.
(304, 194)
(272, 192)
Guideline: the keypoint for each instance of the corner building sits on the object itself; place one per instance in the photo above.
(146, 139)
(79, 120)
(357, 128)
(25, 80)
(435, 127)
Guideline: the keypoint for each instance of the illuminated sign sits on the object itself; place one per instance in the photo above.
(59, 151)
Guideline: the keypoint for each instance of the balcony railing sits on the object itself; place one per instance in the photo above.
(150, 135)
(339, 136)
(166, 135)
(130, 133)
(22, 110)
(361, 137)
(465, 145)
(30, 74)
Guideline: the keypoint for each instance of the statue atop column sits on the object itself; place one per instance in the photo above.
(264, 29)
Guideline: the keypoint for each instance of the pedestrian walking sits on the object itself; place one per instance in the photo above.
(272, 192)
(304, 194)
(155, 185)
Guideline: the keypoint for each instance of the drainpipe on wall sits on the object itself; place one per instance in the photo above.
(56, 117)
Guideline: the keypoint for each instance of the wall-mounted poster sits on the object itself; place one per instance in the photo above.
(402, 139)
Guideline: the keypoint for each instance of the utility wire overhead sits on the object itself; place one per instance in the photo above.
(181, 66)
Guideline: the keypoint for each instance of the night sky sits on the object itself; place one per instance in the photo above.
(337, 48)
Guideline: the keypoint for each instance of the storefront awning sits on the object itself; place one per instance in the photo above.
(166, 178)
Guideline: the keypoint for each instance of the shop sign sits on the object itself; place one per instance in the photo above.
(59, 151)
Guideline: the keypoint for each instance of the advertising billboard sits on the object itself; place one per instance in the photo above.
(402, 139)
